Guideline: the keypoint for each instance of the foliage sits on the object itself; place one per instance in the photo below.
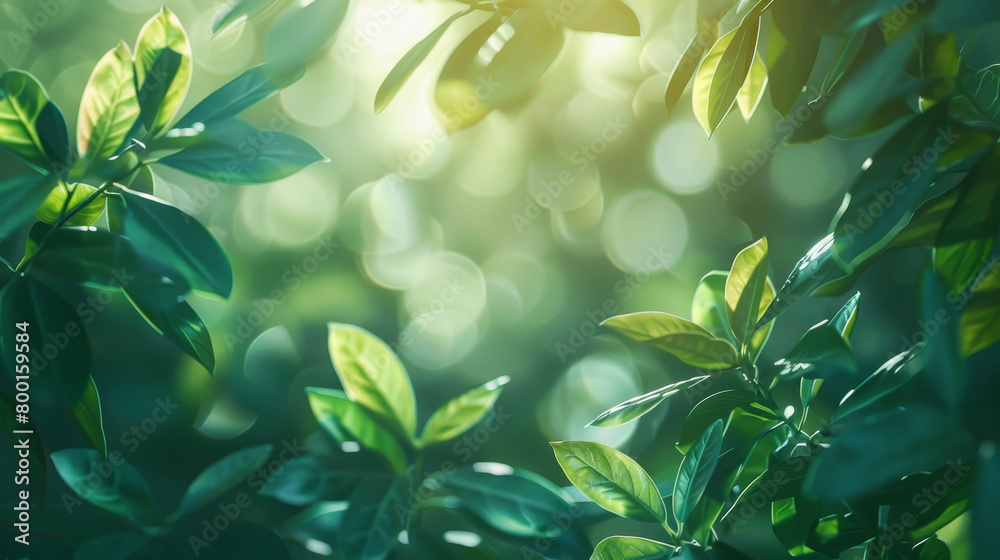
(94, 221)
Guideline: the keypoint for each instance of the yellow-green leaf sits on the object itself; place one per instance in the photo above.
(691, 343)
(460, 414)
(162, 70)
(753, 88)
(745, 289)
(22, 100)
(722, 73)
(109, 106)
(52, 208)
(373, 376)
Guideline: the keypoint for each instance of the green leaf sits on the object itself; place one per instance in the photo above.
(846, 56)
(792, 520)
(752, 90)
(961, 14)
(812, 270)
(118, 546)
(844, 319)
(163, 234)
(708, 307)
(985, 502)
(22, 100)
(238, 95)
(779, 482)
(301, 32)
(635, 407)
(408, 64)
(885, 196)
(695, 471)
(979, 326)
(600, 16)
(496, 65)
(22, 195)
(460, 414)
(628, 548)
(109, 107)
(234, 11)
(882, 387)
(745, 289)
(867, 88)
(54, 135)
(934, 549)
(88, 414)
(60, 380)
(717, 407)
(335, 412)
(119, 488)
(761, 336)
(520, 503)
(235, 153)
(221, 477)
(162, 70)
(722, 73)
(373, 376)
(311, 478)
(821, 353)
(611, 479)
(687, 341)
(375, 517)
(792, 46)
(176, 320)
(51, 209)
(688, 63)
(866, 455)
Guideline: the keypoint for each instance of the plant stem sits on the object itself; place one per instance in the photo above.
(65, 217)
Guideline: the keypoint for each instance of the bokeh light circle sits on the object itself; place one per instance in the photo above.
(645, 230)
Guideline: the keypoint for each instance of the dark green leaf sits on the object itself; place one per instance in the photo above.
(791, 52)
(22, 195)
(865, 455)
(637, 406)
(88, 414)
(612, 479)
(812, 270)
(460, 414)
(519, 503)
(375, 517)
(311, 478)
(691, 343)
(60, 365)
(844, 319)
(884, 387)
(83, 255)
(118, 546)
(716, 407)
(821, 353)
(162, 233)
(244, 91)
(221, 477)
(236, 153)
(409, 63)
(985, 502)
(110, 484)
(934, 549)
(54, 135)
(695, 471)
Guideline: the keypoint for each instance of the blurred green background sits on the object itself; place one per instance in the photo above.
(461, 249)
